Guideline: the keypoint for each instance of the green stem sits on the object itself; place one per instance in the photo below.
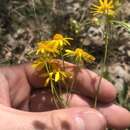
(97, 92)
(56, 97)
(70, 89)
(47, 69)
(63, 61)
(53, 94)
(106, 48)
(63, 68)
(104, 60)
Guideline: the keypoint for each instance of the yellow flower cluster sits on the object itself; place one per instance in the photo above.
(48, 51)
(52, 46)
(53, 70)
(104, 7)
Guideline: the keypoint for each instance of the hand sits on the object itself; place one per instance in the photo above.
(16, 84)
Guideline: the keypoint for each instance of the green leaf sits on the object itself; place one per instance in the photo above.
(123, 24)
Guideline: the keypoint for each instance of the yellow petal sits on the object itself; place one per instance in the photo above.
(68, 38)
(94, 6)
(69, 52)
(50, 75)
(66, 41)
(101, 2)
(110, 3)
(57, 76)
(105, 2)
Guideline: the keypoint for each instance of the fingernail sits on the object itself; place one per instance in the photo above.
(90, 121)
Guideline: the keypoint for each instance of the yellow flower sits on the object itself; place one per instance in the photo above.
(39, 63)
(52, 46)
(80, 55)
(61, 75)
(105, 7)
(57, 76)
(46, 47)
(60, 41)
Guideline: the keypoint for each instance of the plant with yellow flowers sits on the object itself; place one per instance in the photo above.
(49, 62)
(105, 13)
(50, 54)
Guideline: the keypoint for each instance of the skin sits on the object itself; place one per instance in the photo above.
(17, 82)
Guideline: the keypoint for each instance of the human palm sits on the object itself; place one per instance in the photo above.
(17, 84)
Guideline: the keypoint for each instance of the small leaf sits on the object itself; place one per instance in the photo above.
(123, 24)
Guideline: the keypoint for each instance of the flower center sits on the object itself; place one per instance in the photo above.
(58, 37)
(78, 51)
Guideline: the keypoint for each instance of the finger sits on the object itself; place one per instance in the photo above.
(14, 86)
(78, 119)
(73, 119)
(86, 82)
(64, 119)
(4, 91)
(117, 117)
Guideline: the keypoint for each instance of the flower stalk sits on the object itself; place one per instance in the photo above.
(107, 32)
(106, 11)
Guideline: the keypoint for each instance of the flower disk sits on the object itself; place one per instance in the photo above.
(46, 47)
(105, 7)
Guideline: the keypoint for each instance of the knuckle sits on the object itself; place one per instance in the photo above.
(61, 121)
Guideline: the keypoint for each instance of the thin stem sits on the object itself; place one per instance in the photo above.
(63, 68)
(106, 47)
(97, 92)
(34, 9)
(104, 60)
(37, 20)
(73, 82)
(70, 89)
(62, 57)
(56, 97)
(47, 68)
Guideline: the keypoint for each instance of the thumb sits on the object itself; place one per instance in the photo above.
(70, 119)
(64, 119)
